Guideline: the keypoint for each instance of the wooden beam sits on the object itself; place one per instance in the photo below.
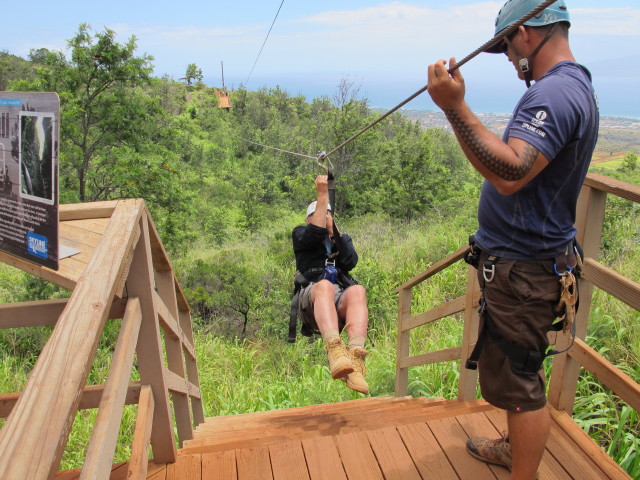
(566, 371)
(435, 268)
(176, 383)
(174, 351)
(34, 436)
(612, 282)
(441, 311)
(614, 187)
(404, 342)
(171, 325)
(65, 281)
(431, 357)
(192, 371)
(141, 283)
(622, 385)
(102, 445)
(469, 378)
(43, 312)
(587, 445)
(91, 396)
(161, 262)
(138, 463)
(81, 211)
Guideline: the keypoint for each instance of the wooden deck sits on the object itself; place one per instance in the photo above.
(379, 438)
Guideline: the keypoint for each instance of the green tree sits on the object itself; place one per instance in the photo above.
(14, 68)
(102, 106)
(630, 162)
(193, 74)
(223, 287)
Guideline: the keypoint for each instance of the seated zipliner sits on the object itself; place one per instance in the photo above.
(326, 298)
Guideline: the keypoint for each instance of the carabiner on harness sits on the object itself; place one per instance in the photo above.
(568, 267)
(489, 268)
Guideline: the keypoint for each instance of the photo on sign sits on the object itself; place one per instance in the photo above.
(36, 156)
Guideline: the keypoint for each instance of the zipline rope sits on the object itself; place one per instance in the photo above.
(504, 33)
(274, 148)
(263, 43)
(323, 156)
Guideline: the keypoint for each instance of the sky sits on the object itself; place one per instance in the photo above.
(381, 48)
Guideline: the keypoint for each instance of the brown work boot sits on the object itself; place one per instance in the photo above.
(495, 452)
(339, 361)
(355, 381)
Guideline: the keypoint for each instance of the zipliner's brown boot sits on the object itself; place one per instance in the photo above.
(339, 362)
(355, 381)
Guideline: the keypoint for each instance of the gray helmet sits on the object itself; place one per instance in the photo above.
(312, 207)
(514, 10)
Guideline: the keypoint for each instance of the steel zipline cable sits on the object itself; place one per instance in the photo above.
(324, 156)
(498, 37)
(263, 43)
(274, 148)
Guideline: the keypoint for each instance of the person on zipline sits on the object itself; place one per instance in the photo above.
(526, 217)
(329, 298)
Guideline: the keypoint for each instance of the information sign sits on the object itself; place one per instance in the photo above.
(29, 144)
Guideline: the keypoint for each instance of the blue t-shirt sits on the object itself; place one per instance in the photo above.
(559, 116)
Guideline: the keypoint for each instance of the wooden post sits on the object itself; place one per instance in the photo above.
(150, 356)
(175, 361)
(404, 339)
(138, 462)
(192, 371)
(469, 378)
(566, 371)
(34, 436)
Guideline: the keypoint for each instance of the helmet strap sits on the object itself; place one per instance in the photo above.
(526, 64)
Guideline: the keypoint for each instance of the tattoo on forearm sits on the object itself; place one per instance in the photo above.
(494, 164)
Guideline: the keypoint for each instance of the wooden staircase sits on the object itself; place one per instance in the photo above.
(381, 438)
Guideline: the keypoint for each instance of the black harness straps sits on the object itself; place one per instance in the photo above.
(523, 361)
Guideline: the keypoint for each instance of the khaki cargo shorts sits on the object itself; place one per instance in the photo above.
(305, 307)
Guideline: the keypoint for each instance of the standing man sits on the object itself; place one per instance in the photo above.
(526, 215)
(330, 299)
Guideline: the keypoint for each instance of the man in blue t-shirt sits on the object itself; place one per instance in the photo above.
(526, 214)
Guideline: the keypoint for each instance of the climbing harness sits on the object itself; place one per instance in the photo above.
(525, 361)
(302, 280)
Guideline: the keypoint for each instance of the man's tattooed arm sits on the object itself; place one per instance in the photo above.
(502, 169)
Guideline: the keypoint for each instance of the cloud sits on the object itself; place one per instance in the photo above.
(606, 21)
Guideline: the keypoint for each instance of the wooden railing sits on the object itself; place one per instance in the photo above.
(127, 276)
(566, 368)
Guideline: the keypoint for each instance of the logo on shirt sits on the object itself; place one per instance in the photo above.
(539, 119)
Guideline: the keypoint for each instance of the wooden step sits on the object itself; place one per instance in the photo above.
(280, 427)
(302, 414)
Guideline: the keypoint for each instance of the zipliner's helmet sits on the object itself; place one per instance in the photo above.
(514, 10)
(312, 207)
